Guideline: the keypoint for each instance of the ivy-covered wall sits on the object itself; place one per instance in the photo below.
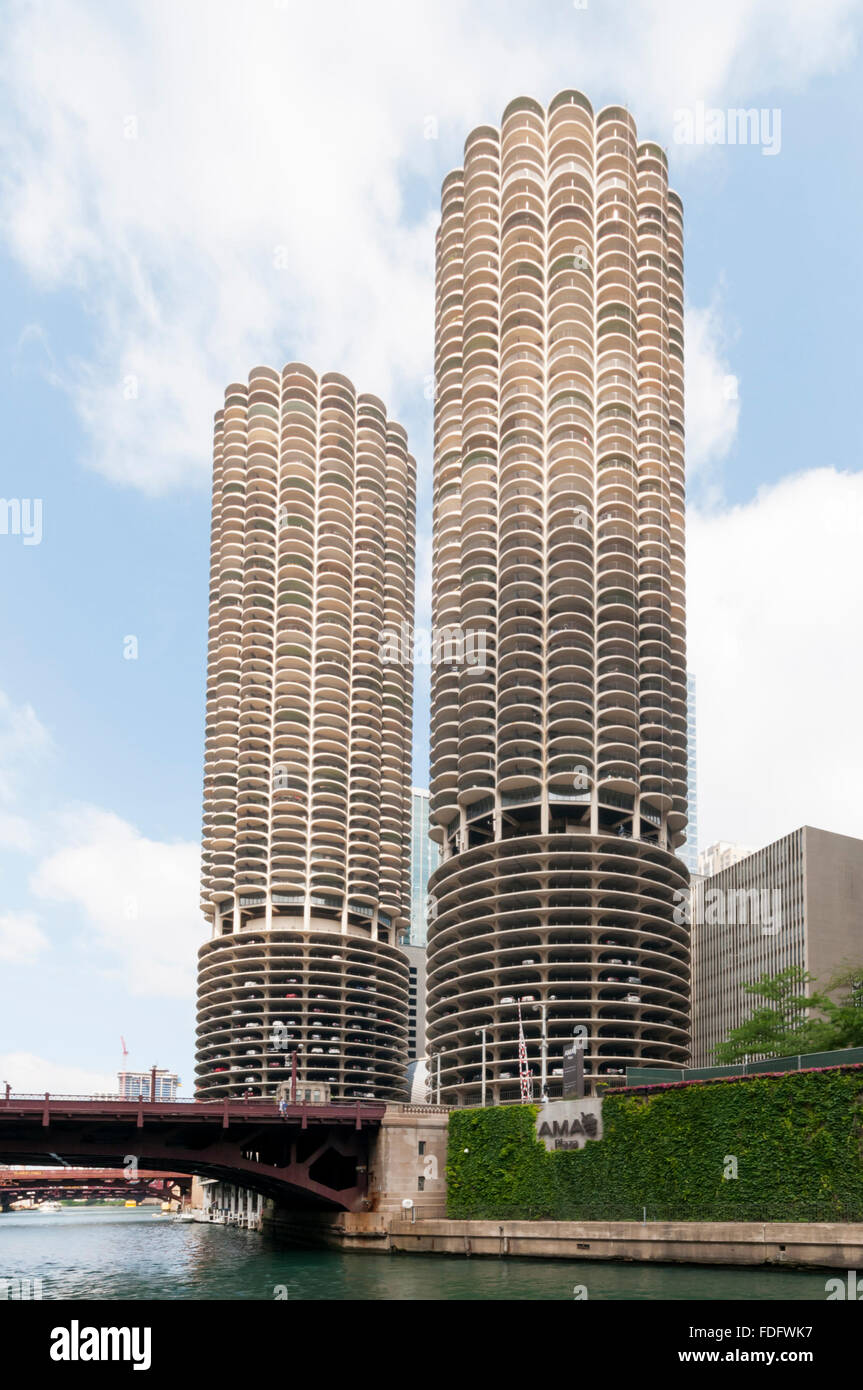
(797, 1140)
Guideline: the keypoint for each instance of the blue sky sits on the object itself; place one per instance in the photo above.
(164, 230)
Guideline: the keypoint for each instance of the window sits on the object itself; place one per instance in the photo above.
(421, 1147)
(421, 1183)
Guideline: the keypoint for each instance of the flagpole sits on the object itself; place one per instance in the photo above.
(525, 1083)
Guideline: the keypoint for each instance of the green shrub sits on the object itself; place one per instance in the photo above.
(796, 1139)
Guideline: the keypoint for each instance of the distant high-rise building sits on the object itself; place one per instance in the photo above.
(795, 902)
(720, 856)
(425, 856)
(135, 1085)
(558, 746)
(306, 853)
(689, 849)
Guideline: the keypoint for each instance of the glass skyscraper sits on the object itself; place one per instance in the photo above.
(425, 856)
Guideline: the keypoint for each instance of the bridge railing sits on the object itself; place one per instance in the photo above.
(266, 1102)
(258, 1106)
(102, 1095)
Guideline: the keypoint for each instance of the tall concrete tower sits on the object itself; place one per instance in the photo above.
(688, 851)
(559, 743)
(306, 859)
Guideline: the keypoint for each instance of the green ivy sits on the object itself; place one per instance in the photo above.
(797, 1139)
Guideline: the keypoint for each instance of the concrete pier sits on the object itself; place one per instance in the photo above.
(227, 1204)
(801, 1245)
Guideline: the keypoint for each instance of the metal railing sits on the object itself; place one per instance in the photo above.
(268, 1104)
(262, 1102)
(100, 1095)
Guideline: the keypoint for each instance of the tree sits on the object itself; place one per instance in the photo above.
(784, 1026)
(845, 1014)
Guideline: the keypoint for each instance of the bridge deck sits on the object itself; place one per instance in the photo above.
(220, 1112)
(311, 1154)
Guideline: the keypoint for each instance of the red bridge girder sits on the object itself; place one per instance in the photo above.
(312, 1155)
(87, 1177)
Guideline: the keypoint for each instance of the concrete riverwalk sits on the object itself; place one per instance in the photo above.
(819, 1245)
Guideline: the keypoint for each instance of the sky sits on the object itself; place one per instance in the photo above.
(187, 191)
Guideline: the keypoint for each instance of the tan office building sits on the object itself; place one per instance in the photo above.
(558, 738)
(795, 902)
(306, 857)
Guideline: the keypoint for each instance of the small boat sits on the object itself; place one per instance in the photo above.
(49, 1207)
(130, 1204)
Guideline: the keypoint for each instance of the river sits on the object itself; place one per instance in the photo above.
(110, 1253)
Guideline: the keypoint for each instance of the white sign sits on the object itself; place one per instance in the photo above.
(568, 1124)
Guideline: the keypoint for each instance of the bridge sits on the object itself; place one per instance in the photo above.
(312, 1155)
(56, 1182)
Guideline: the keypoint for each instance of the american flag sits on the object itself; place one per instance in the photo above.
(523, 1069)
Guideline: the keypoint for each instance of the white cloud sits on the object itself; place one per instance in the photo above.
(138, 899)
(21, 940)
(712, 393)
(22, 735)
(740, 54)
(33, 354)
(24, 741)
(775, 614)
(28, 1074)
(164, 152)
(15, 832)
